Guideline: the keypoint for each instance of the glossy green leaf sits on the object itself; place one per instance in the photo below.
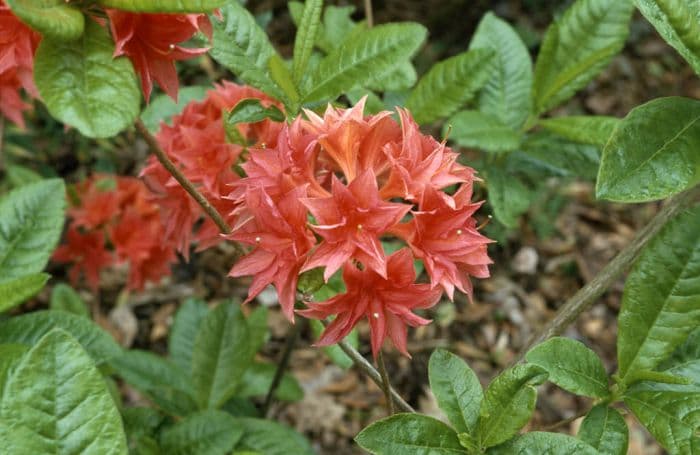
(363, 58)
(251, 110)
(243, 47)
(17, 290)
(605, 430)
(205, 433)
(31, 221)
(507, 93)
(306, 37)
(162, 108)
(688, 371)
(282, 76)
(337, 25)
(29, 328)
(183, 332)
(508, 403)
(687, 352)
(409, 434)
(671, 413)
(56, 401)
(10, 355)
(585, 129)
(221, 355)
(54, 19)
(65, 298)
(257, 380)
(559, 157)
(19, 175)
(653, 153)
(660, 301)
(577, 47)
(402, 77)
(508, 196)
(541, 443)
(270, 438)
(147, 371)
(571, 366)
(484, 131)
(449, 85)
(164, 6)
(677, 23)
(84, 86)
(456, 388)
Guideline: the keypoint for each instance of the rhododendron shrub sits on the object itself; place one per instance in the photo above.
(113, 221)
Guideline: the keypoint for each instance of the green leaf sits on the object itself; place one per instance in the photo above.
(507, 93)
(403, 76)
(64, 298)
(162, 108)
(84, 86)
(456, 388)
(279, 71)
(449, 85)
(508, 196)
(251, 110)
(585, 129)
(337, 25)
(183, 332)
(677, 23)
(270, 438)
(164, 6)
(364, 57)
(688, 371)
(559, 157)
(205, 433)
(257, 380)
(31, 221)
(306, 37)
(56, 401)
(17, 290)
(571, 366)
(409, 434)
(335, 352)
(671, 412)
(140, 421)
(508, 403)
(243, 47)
(541, 443)
(577, 47)
(257, 324)
(147, 371)
(605, 430)
(660, 301)
(20, 175)
(54, 19)
(653, 153)
(221, 354)
(10, 355)
(484, 131)
(687, 352)
(28, 328)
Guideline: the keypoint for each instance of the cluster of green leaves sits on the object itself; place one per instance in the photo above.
(658, 375)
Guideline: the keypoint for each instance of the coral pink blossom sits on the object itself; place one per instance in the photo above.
(17, 46)
(151, 43)
(387, 302)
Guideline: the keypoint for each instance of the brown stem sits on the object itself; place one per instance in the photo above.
(590, 293)
(565, 422)
(386, 384)
(369, 14)
(2, 136)
(373, 374)
(181, 179)
(292, 338)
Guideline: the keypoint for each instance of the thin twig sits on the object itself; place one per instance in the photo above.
(590, 293)
(386, 384)
(369, 14)
(292, 338)
(2, 137)
(373, 374)
(181, 179)
(565, 422)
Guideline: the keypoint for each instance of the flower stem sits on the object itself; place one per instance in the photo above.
(155, 148)
(386, 384)
(292, 338)
(369, 14)
(590, 293)
(373, 374)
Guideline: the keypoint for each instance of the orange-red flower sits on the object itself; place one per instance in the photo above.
(86, 253)
(151, 41)
(387, 302)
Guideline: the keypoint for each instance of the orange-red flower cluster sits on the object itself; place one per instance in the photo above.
(17, 46)
(114, 221)
(320, 193)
